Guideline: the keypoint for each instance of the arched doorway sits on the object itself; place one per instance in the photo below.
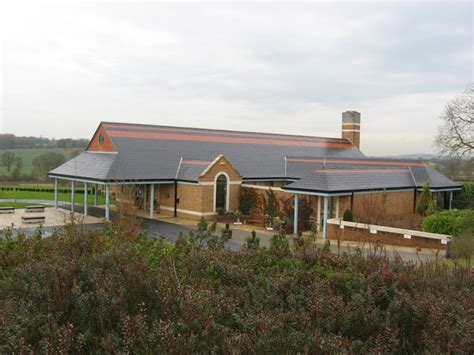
(221, 193)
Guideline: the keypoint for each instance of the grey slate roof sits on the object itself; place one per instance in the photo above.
(362, 174)
(87, 165)
(153, 153)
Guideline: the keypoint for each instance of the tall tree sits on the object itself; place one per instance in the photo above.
(43, 163)
(8, 159)
(16, 172)
(456, 133)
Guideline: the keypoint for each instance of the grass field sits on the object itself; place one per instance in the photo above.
(29, 154)
(49, 196)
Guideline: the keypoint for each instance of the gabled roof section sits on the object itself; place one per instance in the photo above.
(220, 164)
(101, 141)
(191, 169)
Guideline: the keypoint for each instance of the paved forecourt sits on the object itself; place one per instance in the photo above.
(53, 217)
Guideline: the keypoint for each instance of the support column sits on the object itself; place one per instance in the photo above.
(107, 211)
(55, 193)
(352, 203)
(319, 214)
(295, 219)
(72, 195)
(85, 198)
(325, 217)
(95, 194)
(337, 206)
(152, 200)
(450, 200)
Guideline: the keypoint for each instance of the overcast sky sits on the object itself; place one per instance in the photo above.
(273, 67)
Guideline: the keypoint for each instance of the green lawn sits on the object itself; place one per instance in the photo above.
(34, 195)
(28, 154)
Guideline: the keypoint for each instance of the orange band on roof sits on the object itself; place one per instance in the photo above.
(196, 138)
(223, 133)
(193, 162)
(358, 162)
(350, 171)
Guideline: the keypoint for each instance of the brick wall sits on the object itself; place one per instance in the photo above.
(362, 235)
(95, 145)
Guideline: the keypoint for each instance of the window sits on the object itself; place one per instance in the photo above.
(221, 193)
(101, 139)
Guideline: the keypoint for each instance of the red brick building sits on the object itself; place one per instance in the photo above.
(194, 173)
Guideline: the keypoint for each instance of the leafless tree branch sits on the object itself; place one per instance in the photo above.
(456, 133)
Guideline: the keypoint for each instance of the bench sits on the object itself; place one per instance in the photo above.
(259, 219)
(30, 209)
(7, 209)
(33, 219)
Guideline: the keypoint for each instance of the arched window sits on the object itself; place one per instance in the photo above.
(221, 193)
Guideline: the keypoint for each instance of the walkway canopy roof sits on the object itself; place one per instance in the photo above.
(346, 175)
(133, 153)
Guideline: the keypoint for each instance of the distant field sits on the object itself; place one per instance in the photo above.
(29, 154)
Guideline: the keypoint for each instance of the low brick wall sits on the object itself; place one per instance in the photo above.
(362, 233)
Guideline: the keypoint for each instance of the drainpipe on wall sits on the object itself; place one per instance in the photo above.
(414, 200)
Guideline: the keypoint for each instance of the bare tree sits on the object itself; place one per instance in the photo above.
(8, 159)
(456, 133)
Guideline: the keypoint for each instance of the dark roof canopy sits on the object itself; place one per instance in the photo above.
(162, 153)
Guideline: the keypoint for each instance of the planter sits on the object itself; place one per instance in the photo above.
(226, 219)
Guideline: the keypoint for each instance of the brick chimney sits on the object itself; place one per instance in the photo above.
(351, 127)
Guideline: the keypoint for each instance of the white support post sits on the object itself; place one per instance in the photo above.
(85, 198)
(152, 200)
(55, 193)
(319, 214)
(325, 217)
(450, 200)
(107, 211)
(95, 194)
(295, 219)
(72, 195)
(337, 206)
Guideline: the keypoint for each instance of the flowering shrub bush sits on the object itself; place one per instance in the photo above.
(118, 291)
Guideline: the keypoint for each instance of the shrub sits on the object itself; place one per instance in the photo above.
(464, 198)
(253, 242)
(445, 222)
(271, 204)
(247, 201)
(116, 291)
(348, 216)
(426, 205)
(462, 245)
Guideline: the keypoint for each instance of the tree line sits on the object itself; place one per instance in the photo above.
(41, 165)
(10, 141)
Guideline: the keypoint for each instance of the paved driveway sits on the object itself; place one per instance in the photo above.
(170, 233)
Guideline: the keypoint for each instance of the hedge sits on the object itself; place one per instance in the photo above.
(43, 189)
(116, 291)
(445, 222)
(465, 197)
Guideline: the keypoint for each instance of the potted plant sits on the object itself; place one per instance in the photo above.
(238, 214)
